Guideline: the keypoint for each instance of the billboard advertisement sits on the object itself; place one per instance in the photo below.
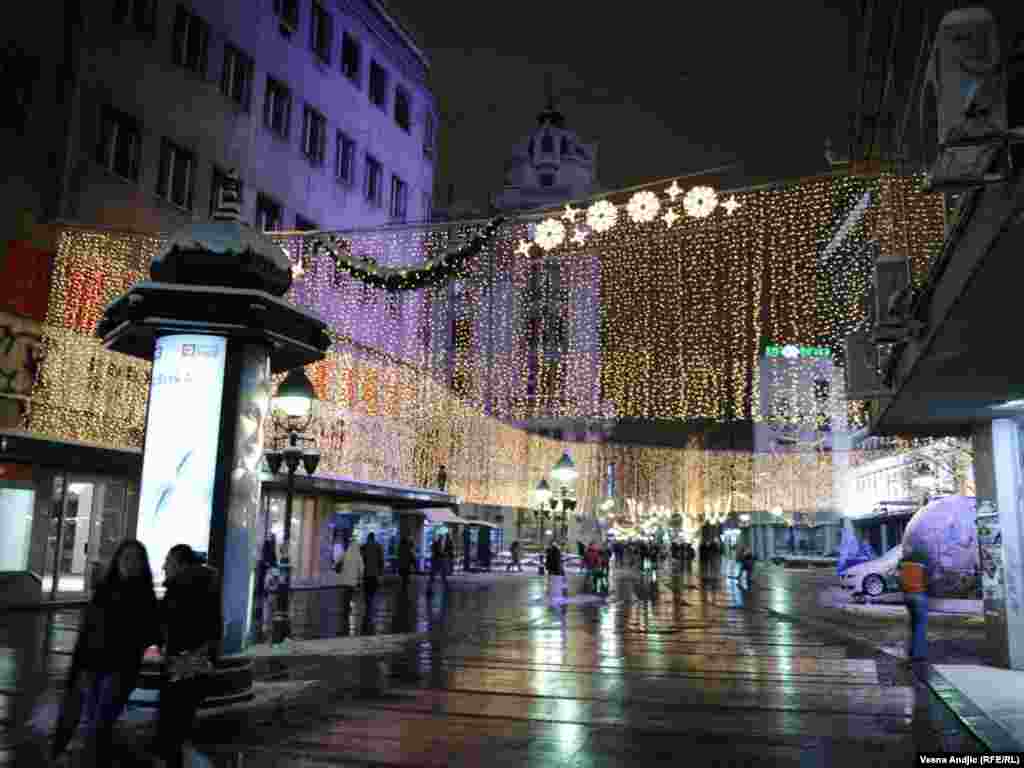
(242, 545)
(180, 457)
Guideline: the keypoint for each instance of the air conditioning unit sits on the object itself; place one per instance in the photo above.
(963, 102)
(891, 312)
(860, 372)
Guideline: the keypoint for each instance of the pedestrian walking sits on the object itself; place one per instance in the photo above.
(373, 569)
(406, 560)
(449, 554)
(442, 478)
(193, 623)
(914, 580)
(746, 563)
(515, 561)
(266, 566)
(351, 572)
(120, 622)
(437, 563)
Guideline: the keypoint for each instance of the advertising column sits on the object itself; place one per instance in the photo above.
(180, 459)
(241, 543)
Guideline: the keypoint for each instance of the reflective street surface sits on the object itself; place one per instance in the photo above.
(681, 669)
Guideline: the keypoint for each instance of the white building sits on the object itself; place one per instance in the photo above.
(321, 106)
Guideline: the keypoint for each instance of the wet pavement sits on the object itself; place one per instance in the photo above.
(680, 669)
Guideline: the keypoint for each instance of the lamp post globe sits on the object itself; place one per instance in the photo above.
(295, 395)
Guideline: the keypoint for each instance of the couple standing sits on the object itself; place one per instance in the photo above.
(122, 620)
(366, 565)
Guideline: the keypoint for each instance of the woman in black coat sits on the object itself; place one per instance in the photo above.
(192, 624)
(120, 622)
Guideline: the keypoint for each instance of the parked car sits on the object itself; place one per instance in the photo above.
(875, 577)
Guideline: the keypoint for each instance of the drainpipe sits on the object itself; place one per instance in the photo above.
(70, 92)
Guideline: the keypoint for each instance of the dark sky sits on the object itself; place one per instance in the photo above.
(664, 87)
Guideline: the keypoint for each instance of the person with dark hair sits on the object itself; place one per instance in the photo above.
(120, 622)
(192, 620)
(373, 562)
(406, 560)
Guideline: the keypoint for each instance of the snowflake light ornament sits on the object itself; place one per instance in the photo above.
(643, 207)
(731, 205)
(670, 218)
(602, 215)
(550, 234)
(700, 202)
(524, 248)
(580, 237)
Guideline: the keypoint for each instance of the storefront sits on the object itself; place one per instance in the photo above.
(64, 508)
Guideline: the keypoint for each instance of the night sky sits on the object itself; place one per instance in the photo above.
(665, 88)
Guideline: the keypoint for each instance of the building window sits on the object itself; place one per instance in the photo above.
(427, 207)
(304, 225)
(120, 144)
(399, 198)
(402, 109)
(374, 174)
(350, 56)
(547, 144)
(177, 171)
(277, 108)
(428, 135)
(378, 85)
(142, 14)
(345, 164)
(287, 15)
(547, 180)
(268, 214)
(321, 33)
(220, 177)
(236, 82)
(314, 131)
(191, 40)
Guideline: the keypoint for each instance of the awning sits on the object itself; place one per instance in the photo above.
(444, 517)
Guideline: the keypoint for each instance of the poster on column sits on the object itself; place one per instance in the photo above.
(180, 456)
(242, 546)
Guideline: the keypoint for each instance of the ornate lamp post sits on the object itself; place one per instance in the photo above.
(564, 473)
(543, 493)
(294, 398)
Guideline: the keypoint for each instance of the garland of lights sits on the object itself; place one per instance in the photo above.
(405, 278)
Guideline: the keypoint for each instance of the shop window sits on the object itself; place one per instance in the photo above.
(191, 41)
(350, 56)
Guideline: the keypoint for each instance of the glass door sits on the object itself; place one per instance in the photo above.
(88, 520)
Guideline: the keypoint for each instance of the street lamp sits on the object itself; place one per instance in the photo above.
(564, 473)
(543, 493)
(294, 398)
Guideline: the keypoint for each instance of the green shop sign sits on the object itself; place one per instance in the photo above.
(793, 351)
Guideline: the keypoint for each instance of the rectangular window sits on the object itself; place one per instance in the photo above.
(191, 41)
(219, 177)
(287, 16)
(177, 169)
(236, 81)
(304, 225)
(277, 107)
(314, 131)
(350, 57)
(378, 85)
(321, 33)
(374, 180)
(428, 135)
(120, 144)
(399, 198)
(403, 109)
(345, 164)
(427, 208)
(141, 13)
(268, 214)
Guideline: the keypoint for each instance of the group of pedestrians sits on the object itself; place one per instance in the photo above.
(122, 620)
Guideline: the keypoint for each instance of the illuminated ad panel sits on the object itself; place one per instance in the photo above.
(180, 457)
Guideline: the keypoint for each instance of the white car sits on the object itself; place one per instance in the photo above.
(875, 577)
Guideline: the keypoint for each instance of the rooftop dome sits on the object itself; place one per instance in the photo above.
(223, 251)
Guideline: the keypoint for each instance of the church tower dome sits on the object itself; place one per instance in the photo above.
(550, 165)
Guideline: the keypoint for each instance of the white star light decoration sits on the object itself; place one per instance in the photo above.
(524, 247)
(643, 207)
(674, 191)
(579, 237)
(670, 217)
(297, 270)
(602, 215)
(571, 213)
(731, 205)
(550, 234)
